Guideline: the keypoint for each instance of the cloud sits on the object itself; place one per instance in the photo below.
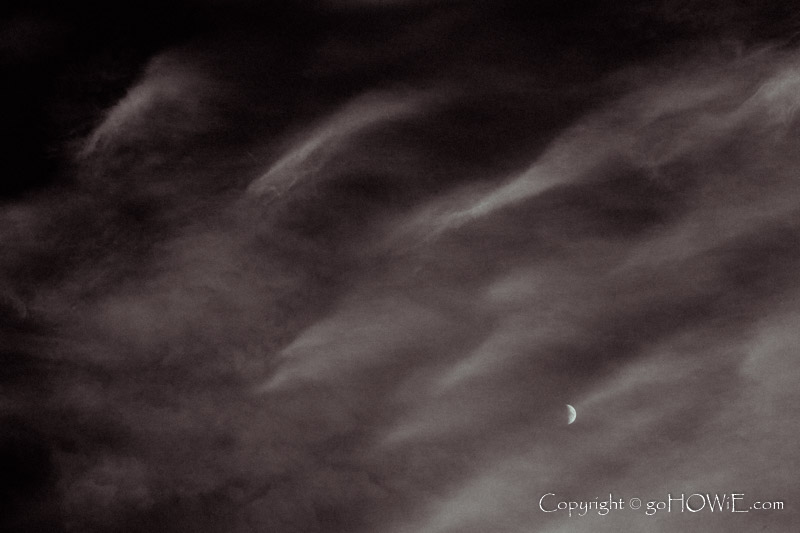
(322, 150)
(369, 316)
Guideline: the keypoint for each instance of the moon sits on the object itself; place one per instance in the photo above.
(571, 415)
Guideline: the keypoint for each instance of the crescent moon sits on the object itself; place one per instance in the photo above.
(571, 415)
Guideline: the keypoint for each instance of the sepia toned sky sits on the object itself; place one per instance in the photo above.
(340, 266)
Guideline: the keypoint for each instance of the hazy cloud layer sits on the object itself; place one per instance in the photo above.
(317, 284)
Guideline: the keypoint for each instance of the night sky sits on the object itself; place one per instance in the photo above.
(339, 266)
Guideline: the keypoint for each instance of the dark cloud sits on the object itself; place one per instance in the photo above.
(338, 266)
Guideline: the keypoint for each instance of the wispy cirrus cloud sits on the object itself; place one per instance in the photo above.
(369, 316)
